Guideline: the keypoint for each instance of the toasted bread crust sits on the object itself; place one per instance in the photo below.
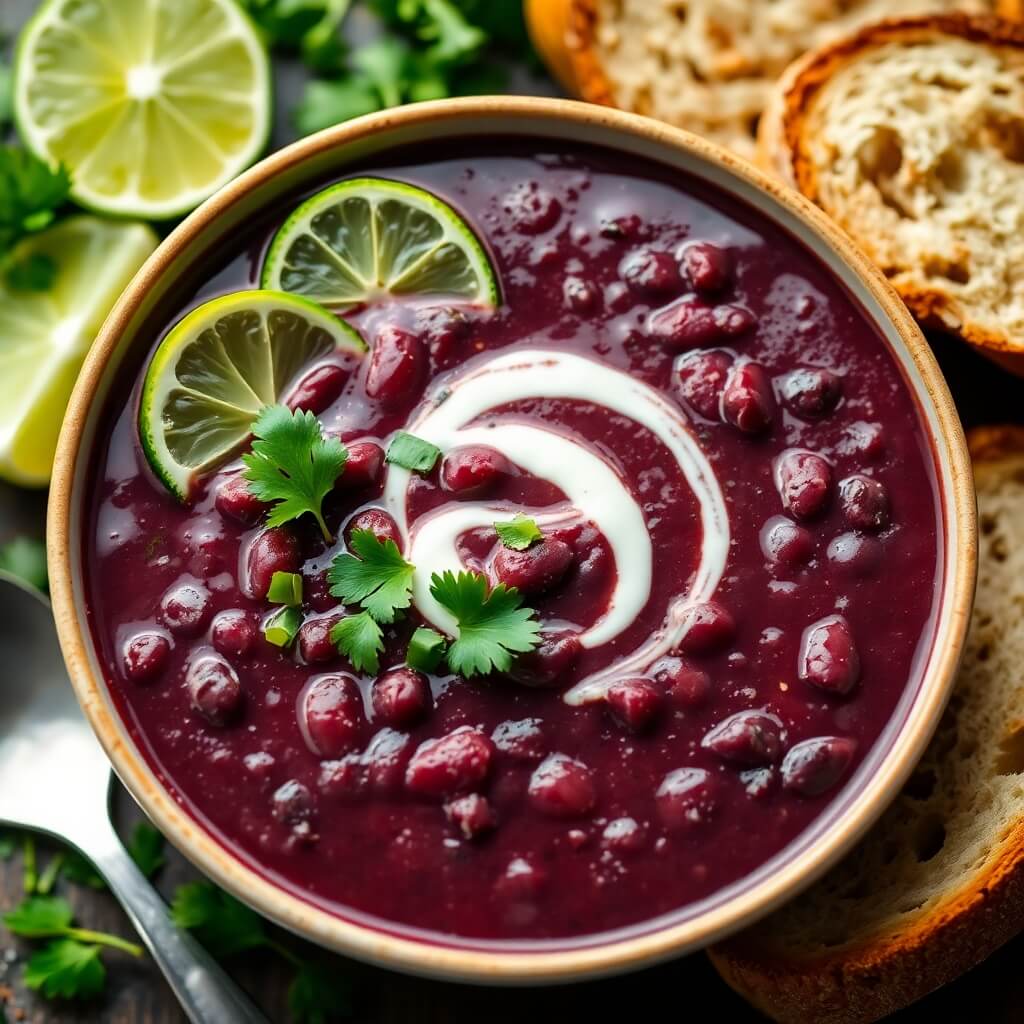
(783, 147)
(888, 970)
(549, 23)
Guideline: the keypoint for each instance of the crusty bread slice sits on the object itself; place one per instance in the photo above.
(910, 134)
(938, 884)
(705, 65)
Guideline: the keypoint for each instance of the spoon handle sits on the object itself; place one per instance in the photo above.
(206, 993)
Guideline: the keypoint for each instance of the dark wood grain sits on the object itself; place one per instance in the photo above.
(136, 994)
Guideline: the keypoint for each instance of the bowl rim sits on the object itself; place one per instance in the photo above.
(432, 957)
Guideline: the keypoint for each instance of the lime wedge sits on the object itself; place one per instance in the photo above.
(369, 238)
(44, 335)
(151, 104)
(218, 367)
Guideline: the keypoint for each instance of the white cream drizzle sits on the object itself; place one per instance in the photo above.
(594, 489)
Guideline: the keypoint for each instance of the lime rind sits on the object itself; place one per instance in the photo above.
(368, 238)
(153, 106)
(44, 335)
(218, 366)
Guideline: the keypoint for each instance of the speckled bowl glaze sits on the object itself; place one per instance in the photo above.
(846, 818)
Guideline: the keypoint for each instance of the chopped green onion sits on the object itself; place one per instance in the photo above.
(280, 629)
(518, 533)
(285, 588)
(426, 649)
(411, 452)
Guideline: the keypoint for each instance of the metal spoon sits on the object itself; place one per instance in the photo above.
(54, 778)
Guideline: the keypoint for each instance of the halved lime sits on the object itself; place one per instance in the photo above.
(218, 367)
(44, 335)
(151, 104)
(370, 237)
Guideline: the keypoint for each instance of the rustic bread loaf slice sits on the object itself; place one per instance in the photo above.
(910, 134)
(939, 882)
(705, 65)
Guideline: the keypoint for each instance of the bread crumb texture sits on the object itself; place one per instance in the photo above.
(709, 65)
(868, 938)
(915, 145)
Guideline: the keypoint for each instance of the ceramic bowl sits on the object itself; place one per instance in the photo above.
(327, 154)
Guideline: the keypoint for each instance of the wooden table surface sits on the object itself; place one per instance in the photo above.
(136, 994)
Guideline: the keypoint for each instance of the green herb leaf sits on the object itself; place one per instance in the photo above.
(34, 273)
(282, 627)
(40, 917)
(319, 995)
(222, 924)
(30, 193)
(66, 969)
(6, 846)
(411, 452)
(293, 465)
(426, 649)
(327, 103)
(519, 533)
(77, 870)
(25, 557)
(360, 639)
(492, 625)
(147, 849)
(285, 588)
(379, 579)
(6, 93)
(308, 26)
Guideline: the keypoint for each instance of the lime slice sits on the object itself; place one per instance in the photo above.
(368, 238)
(218, 367)
(151, 104)
(44, 335)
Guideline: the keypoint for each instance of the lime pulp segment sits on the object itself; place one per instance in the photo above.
(368, 238)
(44, 335)
(219, 366)
(152, 104)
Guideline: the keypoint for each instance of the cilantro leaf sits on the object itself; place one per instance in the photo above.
(518, 533)
(379, 579)
(492, 625)
(360, 639)
(222, 924)
(411, 452)
(33, 273)
(319, 995)
(66, 969)
(30, 192)
(325, 103)
(40, 917)
(293, 465)
(147, 849)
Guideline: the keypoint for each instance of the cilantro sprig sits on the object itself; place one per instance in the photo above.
(292, 465)
(30, 193)
(310, 27)
(493, 625)
(226, 927)
(376, 576)
(68, 967)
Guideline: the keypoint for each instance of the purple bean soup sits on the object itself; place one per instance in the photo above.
(511, 546)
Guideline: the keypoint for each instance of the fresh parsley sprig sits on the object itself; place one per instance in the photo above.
(292, 465)
(492, 624)
(376, 576)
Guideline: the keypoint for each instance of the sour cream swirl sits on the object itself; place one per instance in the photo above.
(593, 488)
